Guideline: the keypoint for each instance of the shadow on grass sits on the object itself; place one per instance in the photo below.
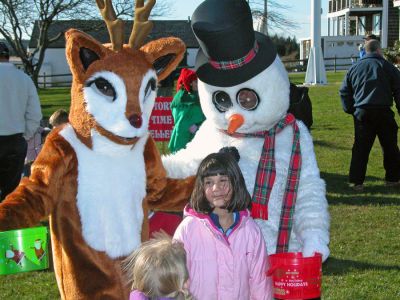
(44, 106)
(328, 128)
(329, 145)
(336, 266)
(376, 193)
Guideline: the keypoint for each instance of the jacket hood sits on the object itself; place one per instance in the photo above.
(189, 211)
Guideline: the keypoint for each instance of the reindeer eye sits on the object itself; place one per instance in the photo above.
(151, 86)
(102, 86)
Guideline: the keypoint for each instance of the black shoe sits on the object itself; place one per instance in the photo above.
(356, 187)
(392, 183)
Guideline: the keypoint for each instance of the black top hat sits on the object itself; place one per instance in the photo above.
(230, 51)
(4, 50)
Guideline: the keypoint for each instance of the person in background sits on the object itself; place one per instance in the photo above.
(362, 46)
(58, 118)
(186, 111)
(367, 93)
(226, 252)
(20, 116)
(35, 143)
(157, 270)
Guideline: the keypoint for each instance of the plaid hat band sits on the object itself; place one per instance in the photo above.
(237, 63)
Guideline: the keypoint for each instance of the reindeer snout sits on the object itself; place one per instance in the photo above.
(136, 120)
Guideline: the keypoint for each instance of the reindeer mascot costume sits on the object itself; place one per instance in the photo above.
(244, 94)
(97, 177)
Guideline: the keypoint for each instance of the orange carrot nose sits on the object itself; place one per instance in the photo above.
(235, 121)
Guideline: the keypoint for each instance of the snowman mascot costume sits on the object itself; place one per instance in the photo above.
(244, 94)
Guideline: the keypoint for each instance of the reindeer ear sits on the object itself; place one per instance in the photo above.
(161, 63)
(87, 57)
(81, 51)
(164, 54)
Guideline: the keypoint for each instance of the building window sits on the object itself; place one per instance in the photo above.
(376, 24)
(308, 46)
(334, 27)
(341, 26)
(353, 26)
(361, 25)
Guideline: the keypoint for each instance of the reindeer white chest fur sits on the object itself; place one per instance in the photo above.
(111, 188)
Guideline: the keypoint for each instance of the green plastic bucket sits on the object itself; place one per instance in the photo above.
(23, 250)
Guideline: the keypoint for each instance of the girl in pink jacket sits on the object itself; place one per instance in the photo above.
(226, 253)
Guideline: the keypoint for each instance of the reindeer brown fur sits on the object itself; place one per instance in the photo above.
(97, 177)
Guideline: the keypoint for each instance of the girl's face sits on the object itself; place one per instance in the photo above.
(218, 190)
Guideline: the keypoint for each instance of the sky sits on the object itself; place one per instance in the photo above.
(299, 11)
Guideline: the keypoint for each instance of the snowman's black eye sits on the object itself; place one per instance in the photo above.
(222, 101)
(247, 99)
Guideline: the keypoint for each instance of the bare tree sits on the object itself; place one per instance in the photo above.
(18, 16)
(126, 8)
(271, 12)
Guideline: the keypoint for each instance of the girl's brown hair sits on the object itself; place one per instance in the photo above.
(158, 268)
(220, 164)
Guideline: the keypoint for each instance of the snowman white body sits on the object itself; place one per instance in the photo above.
(310, 231)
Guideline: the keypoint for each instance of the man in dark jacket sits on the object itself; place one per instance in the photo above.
(367, 93)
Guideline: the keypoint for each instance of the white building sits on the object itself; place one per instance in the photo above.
(349, 21)
(55, 64)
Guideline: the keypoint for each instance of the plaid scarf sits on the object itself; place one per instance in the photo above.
(265, 178)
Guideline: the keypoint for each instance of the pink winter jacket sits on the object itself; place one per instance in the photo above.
(221, 267)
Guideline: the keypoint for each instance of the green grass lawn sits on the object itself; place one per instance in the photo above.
(365, 226)
(53, 99)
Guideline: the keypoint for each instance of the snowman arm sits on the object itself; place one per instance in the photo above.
(180, 164)
(36, 196)
(185, 162)
(311, 218)
(164, 193)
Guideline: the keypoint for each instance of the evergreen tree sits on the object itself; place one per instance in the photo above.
(285, 45)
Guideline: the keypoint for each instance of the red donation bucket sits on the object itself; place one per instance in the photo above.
(295, 276)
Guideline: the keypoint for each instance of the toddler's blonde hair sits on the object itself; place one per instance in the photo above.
(158, 268)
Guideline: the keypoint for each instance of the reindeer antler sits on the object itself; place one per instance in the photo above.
(142, 26)
(115, 26)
